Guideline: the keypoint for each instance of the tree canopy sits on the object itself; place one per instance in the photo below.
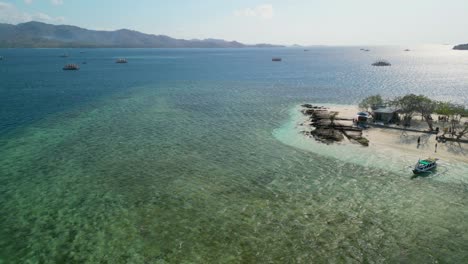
(450, 109)
(371, 102)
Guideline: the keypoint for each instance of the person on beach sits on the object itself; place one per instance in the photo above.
(435, 148)
(419, 140)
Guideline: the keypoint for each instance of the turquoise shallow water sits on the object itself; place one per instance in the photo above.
(189, 156)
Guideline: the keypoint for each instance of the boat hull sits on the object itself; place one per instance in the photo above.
(419, 172)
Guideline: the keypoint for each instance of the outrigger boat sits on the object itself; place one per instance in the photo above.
(425, 165)
(71, 67)
(122, 60)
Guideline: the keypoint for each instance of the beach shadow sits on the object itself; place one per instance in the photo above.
(456, 148)
(410, 139)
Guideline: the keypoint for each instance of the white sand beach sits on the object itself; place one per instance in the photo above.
(405, 142)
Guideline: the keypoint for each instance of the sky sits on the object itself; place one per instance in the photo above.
(304, 22)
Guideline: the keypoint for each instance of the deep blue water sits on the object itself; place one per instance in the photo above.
(34, 85)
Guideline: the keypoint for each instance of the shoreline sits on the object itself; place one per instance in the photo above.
(388, 150)
(401, 141)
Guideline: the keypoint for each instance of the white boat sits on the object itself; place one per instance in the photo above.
(425, 165)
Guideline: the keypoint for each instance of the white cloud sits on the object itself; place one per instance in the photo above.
(265, 11)
(56, 2)
(46, 18)
(262, 11)
(11, 15)
(28, 2)
(247, 12)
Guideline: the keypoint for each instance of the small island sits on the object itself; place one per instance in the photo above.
(461, 47)
(381, 63)
(408, 124)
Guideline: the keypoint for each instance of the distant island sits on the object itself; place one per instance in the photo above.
(41, 35)
(461, 47)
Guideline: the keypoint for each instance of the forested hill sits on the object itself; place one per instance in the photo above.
(42, 35)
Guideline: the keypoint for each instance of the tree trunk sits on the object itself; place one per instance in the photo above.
(429, 122)
(462, 133)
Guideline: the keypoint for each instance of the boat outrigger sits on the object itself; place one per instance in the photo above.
(425, 165)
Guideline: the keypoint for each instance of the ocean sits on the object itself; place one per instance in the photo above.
(190, 156)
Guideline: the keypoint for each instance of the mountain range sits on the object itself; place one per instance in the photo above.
(41, 35)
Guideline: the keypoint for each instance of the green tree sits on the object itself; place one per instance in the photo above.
(407, 105)
(454, 111)
(425, 107)
(371, 102)
(454, 114)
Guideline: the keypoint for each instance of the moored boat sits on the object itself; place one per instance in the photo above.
(121, 60)
(276, 59)
(425, 165)
(71, 67)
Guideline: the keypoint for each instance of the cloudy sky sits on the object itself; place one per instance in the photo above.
(314, 22)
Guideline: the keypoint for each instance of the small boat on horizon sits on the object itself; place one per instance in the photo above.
(71, 67)
(407, 50)
(425, 165)
(64, 56)
(121, 60)
(276, 59)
